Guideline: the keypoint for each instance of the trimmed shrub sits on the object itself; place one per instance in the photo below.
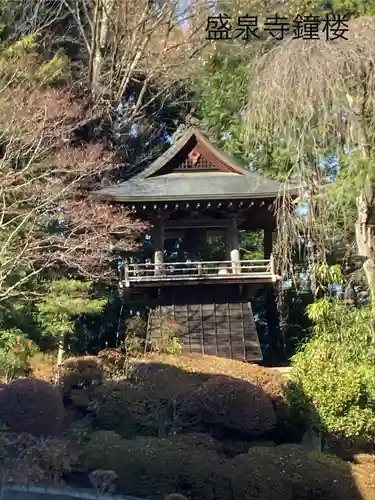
(131, 409)
(233, 404)
(154, 468)
(28, 459)
(33, 406)
(290, 472)
(166, 381)
(79, 379)
(116, 406)
(346, 449)
(82, 372)
(167, 391)
(100, 440)
(195, 441)
(233, 447)
(205, 367)
(271, 381)
(114, 362)
(108, 440)
(144, 372)
(156, 409)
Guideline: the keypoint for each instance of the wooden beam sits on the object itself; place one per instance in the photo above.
(197, 223)
(173, 233)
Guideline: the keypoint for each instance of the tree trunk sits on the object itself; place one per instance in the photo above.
(60, 355)
(101, 22)
(365, 235)
(365, 227)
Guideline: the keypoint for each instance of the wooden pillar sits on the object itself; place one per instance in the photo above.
(233, 250)
(158, 240)
(267, 243)
(272, 313)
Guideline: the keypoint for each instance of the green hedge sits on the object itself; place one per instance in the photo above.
(152, 468)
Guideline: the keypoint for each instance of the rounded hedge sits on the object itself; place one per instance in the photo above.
(192, 370)
(154, 468)
(233, 404)
(164, 381)
(152, 402)
(32, 406)
(117, 405)
(292, 472)
(81, 373)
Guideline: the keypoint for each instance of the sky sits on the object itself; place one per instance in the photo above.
(184, 5)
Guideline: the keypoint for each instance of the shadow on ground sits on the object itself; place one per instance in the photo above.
(207, 436)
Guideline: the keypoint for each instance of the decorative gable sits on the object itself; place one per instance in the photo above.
(195, 161)
(194, 156)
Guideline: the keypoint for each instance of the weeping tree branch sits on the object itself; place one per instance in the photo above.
(315, 97)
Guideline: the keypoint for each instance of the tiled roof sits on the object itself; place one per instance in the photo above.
(238, 183)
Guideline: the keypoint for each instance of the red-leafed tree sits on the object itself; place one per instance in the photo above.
(47, 217)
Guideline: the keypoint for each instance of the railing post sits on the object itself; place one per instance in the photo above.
(158, 263)
(236, 264)
(232, 244)
(200, 268)
(272, 265)
(126, 274)
(158, 240)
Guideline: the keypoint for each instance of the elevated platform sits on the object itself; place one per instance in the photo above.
(179, 273)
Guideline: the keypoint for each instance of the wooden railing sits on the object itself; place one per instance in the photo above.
(154, 272)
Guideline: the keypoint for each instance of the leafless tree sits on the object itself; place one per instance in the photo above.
(126, 40)
(46, 217)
